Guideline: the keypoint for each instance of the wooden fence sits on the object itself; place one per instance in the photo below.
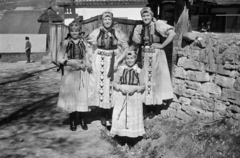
(57, 34)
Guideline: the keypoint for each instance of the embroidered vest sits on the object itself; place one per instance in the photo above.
(155, 38)
(107, 39)
(129, 77)
(75, 51)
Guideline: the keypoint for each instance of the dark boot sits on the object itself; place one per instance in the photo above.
(83, 121)
(152, 111)
(109, 115)
(73, 121)
(103, 117)
(145, 111)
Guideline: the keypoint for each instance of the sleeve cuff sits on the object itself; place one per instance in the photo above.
(63, 61)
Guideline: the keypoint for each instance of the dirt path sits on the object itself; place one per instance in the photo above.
(31, 127)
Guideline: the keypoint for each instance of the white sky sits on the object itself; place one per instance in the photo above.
(129, 13)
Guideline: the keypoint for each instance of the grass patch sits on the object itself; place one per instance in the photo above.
(168, 138)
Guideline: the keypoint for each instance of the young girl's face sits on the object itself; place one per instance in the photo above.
(147, 18)
(130, 60)
(74, 33)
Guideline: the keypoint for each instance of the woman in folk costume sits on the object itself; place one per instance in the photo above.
(73, 93)
(109, 45)
(128, 110)
(157, 76)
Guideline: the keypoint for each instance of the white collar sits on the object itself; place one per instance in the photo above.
(134, 67)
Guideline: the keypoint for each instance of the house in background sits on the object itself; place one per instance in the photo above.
(15, 25)
(223, 15)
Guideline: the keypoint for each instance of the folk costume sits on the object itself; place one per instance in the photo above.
(154, 62)
(128, 110)
(73, 95)
(108, 45)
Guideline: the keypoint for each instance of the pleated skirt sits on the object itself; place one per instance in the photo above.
(127, 119)
(73, 94)
(156, 77)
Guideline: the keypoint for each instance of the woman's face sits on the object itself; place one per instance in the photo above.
(147, 18)
(130, 60)
(107, 22)
(74, 33)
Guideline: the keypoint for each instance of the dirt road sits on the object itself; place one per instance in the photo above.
(30, 126)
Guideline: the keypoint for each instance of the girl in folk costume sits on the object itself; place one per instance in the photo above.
(73, 93)
(128, 110)
(157, 76)
(109, 45)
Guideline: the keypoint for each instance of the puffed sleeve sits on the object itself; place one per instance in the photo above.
(162, 27)
(62, 55)
(137, 34)
(117, 77)
(92, 38)
(122, 38)
(89, 53)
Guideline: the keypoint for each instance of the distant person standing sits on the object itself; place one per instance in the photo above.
(28, 49)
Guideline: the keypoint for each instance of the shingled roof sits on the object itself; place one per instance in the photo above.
(20, 22)
(100, 2)
(50, 15)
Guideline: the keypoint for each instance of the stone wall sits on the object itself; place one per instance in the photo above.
(206, 78)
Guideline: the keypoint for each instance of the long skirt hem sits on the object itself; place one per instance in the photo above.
(127, 132)
(127, 117)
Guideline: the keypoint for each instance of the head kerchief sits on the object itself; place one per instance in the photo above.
(75, 26)
(146, 10)
(107, 14)
(131, 53)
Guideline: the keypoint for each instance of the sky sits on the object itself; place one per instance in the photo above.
(128, 13)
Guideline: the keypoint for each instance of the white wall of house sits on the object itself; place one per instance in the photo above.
(15, 43)
(128, 13)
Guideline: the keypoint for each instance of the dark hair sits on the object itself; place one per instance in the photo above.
(68, 36)
(26, 38)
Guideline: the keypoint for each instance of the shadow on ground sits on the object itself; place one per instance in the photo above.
(32, 127)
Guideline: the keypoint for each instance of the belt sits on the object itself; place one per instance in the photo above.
(110, 48)
(148, 49)
(106, 52)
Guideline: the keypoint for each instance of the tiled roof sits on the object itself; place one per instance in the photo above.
(101, 2)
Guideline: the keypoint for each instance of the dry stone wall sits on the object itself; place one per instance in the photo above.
(206, 78)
